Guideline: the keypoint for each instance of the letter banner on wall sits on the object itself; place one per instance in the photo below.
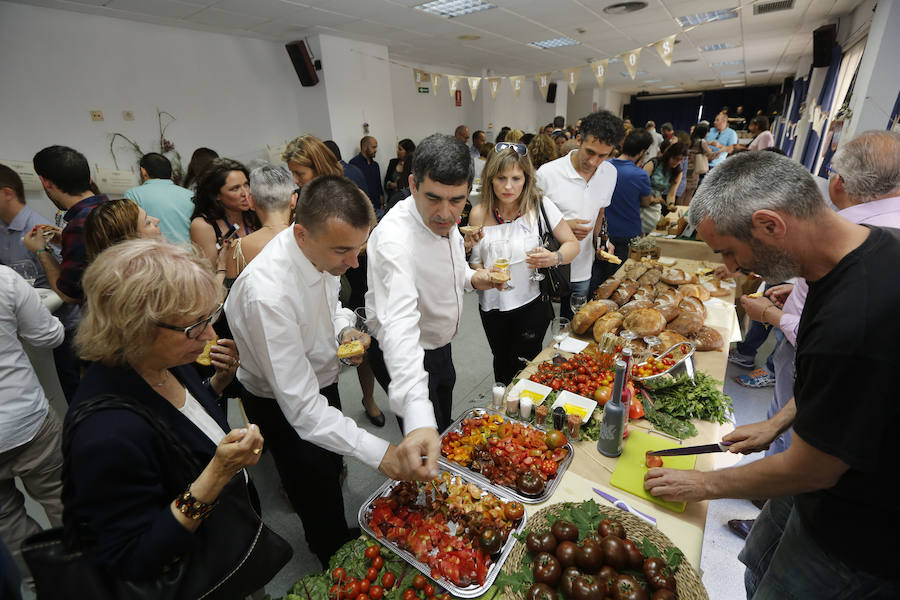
(631, 61)
(572, 77)
(494, 84)
(453, 83)
(420, 77)
(473, 86)
(516, 81)
(543, 81)
(435, 82)
(599, 69)
(665, 48)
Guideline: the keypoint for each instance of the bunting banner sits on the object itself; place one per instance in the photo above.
(599, 69)
(436, 82)
(543, 81)
(420, 77)
(572, 77)
(516, 81)
(665, 48)
(494, 84)
(631, 61)
(473, 86)
(453, 83)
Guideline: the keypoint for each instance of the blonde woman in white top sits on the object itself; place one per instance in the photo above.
(516, 318)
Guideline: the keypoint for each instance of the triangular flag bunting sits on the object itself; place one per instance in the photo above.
(494, 84)
(631, 61)
(473, 86)
(543, 81)
(516, 81)
(453, 83)
(599, 69)
(665, 47)
(572, 77)
(420, 77)
(435, 82)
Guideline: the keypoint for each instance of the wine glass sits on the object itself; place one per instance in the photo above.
(26, 270)
(500, 254)
(576, 301)
(560, 329)
(533, 246)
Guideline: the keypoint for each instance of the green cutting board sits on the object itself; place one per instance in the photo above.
(632, 465)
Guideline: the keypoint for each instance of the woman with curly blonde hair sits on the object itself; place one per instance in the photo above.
(542, 149)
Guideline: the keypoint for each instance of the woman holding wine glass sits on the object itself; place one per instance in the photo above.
(512, 214)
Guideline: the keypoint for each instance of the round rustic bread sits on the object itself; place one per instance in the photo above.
(645, 321)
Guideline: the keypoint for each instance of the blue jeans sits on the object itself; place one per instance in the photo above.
(784, 562)
(576, 288)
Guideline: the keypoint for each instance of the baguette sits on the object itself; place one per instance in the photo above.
(351, 349)
(625, 291)
(606, 288)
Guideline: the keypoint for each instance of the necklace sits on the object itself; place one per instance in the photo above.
(163, 382)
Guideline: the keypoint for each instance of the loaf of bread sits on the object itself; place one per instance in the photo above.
(668, 310)
(608, 323)
(589, 313)
(715, 288)
(651, 277)
(644, 322)
(610, 304)
(661, 287)
(691, 304)
(606, 288)
(610, 258)
(687, 323)
(627, 308)
(501, 276)
(694, 289)
(674, 276)
(707, 339)
(635, 270)
(351, 349)
(670, 338)
(672, 296)
(625, 291)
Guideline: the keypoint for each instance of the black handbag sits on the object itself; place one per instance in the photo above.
(555, 283)
(237, 553)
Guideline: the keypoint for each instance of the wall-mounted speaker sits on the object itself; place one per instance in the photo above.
(824, 39)
(551, 92)
(303, 64)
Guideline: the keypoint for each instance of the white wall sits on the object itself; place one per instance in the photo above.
(530, 111)
(232, 94)
(581, 103)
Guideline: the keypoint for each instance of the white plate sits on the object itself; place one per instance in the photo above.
(579, 403)
(538, 392)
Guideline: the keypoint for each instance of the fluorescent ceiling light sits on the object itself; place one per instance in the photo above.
(668, 87)
(454, 8)
(726, 63)
(621, 8)
(615, 59)
(707, 17)
(652, 81)
(735, 84)
(555, 43)
(731, 73)
(719, 46)
(637, 73)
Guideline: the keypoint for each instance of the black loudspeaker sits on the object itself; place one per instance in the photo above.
(787, 86)
(302, 63)
(823, 41)
(551, 92)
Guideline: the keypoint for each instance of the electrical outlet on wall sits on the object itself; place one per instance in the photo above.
(127, 115)
(96, 115)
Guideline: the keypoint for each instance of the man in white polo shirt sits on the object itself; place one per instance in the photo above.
(581, 185)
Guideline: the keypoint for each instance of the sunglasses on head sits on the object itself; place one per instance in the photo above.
(521, 149)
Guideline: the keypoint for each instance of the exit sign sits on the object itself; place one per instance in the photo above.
(424, 90)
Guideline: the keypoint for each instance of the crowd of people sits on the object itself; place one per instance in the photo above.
(246, 266)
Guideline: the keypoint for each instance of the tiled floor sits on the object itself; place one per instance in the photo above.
(722, 573)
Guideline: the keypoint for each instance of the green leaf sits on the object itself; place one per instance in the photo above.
(649, 549)
(519, 580)
(673, 557)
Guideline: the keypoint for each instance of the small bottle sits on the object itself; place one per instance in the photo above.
(627, 391)
(512, 405)
(614, 416)
(525, 406)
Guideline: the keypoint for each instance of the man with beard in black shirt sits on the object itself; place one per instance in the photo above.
(829, 492)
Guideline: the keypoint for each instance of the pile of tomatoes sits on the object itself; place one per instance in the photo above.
(508, 453)
(653, 366)
(582, 374)
(349, 588)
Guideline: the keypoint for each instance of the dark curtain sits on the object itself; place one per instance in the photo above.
(799, 95)
(814, 140)
(751, 98)
(680, 112)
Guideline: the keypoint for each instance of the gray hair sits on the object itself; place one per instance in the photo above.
(869, 164)
(271, 188)
(752, 181)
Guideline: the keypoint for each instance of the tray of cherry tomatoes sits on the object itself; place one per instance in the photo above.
(453, 529)
(524, 461)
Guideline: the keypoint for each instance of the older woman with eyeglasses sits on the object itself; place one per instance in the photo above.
(150, 306)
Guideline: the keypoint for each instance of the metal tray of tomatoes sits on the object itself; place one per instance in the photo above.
(454, 466)
(497, 559)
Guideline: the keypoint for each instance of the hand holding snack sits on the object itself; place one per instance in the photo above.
(482, 280)
(354, 344)
(471, 235)
(40, 236)
(608, 257)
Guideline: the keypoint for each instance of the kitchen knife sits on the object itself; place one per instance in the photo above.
(620, 504)
(720, 447)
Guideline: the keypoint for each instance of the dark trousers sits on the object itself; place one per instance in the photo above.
(602, 270)
(438, 364)
(310, 474)
(515, 333)
(358, 283)
(68, 366)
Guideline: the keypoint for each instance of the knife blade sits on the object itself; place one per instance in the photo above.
(704, 449)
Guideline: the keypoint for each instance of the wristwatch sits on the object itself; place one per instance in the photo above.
(559, 258)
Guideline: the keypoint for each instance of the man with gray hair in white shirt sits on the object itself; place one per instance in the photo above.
(417, 277)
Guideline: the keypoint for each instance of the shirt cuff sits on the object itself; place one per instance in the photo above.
(469, 273)
(788, 325)
(371, 449)
(418, 414)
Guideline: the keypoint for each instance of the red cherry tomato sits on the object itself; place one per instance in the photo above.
(362, 597)
(372, 552)
(376, 592)
(335, 593)
(654, 461)
(372, 574)
(419, 581)
(378, 562)
(388, 580)
(339, 575)
(364, 585)
(409, 594)
(429, 589)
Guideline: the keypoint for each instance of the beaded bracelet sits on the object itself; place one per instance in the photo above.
(192, 508)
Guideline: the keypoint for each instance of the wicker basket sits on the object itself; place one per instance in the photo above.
(687, 580)
(637, 255)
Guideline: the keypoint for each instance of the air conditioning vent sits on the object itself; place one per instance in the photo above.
(759, 71)
(764, 8)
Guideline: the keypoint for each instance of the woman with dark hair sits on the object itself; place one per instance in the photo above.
(222, 200)
(665, 175)
(393, 176)
(514, 211)
(762, 137)
(200, 159)
(699, 155)
(402, 190)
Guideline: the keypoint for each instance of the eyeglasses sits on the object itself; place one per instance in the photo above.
(521, 149)
(831, 170)
(196, 330)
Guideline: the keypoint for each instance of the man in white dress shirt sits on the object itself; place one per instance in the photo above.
(581, 185)
(286, 318)
(417, 277)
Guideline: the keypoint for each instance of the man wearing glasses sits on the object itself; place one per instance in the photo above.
(581, 185)
(286, 318)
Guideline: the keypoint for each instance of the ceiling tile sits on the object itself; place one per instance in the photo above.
(160, 8)
(224, 19)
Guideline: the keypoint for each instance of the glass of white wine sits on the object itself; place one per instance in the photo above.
(533, 246)
(500, 253)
